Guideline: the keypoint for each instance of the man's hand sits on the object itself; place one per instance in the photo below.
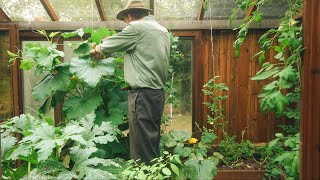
(96, 53)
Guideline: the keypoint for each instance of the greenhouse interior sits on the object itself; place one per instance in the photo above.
(160, 89)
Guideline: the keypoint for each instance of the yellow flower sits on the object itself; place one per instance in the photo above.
(192, 140)
(292, 22)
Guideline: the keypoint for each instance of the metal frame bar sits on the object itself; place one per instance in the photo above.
(49, 9)
(102, 13)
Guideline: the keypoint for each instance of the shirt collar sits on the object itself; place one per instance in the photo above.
(149, 18)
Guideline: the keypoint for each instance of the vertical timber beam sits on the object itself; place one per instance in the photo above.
(310, 125)
(102, 13)
(310, 143)
(201, 11)
(152, 6)
(3, 16)
(49, 9)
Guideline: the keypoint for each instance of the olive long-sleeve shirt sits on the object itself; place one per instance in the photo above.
(147, 47)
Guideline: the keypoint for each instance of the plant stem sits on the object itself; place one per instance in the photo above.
(29, 167)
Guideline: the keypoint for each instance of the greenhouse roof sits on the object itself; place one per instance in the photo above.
(35, 11)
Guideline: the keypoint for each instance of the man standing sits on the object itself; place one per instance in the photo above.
(147, 47)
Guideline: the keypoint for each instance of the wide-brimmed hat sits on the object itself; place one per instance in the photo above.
(132, 4)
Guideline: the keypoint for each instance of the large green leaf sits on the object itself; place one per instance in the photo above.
(44, 140)
(116, 116)
(265, 74)
(91, 71)
(100, 34)
(168, 141)
(81, 49)
(83, 164)
(90, 133)
(7, 143)
(208, 137)
(21, 124)
(205, 169)
(59, 80)
(182, 151)
(180, 135)
(78, 107)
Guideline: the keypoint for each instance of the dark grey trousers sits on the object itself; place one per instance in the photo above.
(145, 111)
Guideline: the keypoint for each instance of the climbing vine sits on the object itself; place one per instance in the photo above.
(282, 94)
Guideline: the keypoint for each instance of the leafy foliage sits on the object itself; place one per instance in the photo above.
(282, 94)
(285, 72)
(196, 158)
(166, 167)
(59, 151)
(284, 153)
(214, 91)
(233, 152)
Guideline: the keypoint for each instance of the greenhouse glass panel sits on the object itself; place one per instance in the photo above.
(30, 105)
(273, 9)
(26, 10)
(221, 10)
(76, 10)
(176, 9)
(112, 7)
(180, 110)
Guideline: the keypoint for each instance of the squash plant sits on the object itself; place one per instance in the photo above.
(90, 93)
(65, 152)
(282, 95)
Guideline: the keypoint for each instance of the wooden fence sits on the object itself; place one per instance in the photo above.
(242, 107)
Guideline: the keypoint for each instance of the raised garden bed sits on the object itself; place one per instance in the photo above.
(239, 175)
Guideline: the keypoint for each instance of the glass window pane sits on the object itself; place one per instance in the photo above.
(76, 10)
(221, 10)
(176, 9)
(112, 7)
(274, 9)
(181, 110)
(30, 105)
(6, 98)
(26, 10)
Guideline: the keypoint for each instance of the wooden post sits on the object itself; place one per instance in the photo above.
(0, 157)
(310, 126)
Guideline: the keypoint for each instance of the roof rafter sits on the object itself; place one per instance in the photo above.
(49, 9)
(251, 9)
(3, 16)
(102, 13)
(201, 11)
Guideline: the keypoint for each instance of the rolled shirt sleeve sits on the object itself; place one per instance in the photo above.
(123, 41)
